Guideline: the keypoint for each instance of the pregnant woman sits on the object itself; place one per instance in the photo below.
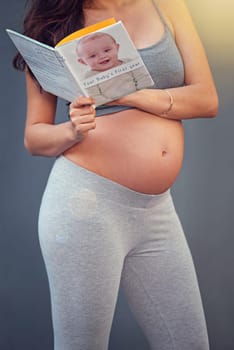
(107, 218)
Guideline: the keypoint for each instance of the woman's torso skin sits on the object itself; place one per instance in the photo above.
(137, 149)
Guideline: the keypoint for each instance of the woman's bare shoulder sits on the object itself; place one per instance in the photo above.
(175, 12)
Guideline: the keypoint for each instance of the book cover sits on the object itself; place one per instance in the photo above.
(99, 61)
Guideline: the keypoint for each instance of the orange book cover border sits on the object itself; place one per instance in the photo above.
(87, 30)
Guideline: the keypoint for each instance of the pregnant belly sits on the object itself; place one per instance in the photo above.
(134, 148)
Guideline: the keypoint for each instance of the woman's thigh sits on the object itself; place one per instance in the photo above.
(160, 283)
(80, 244)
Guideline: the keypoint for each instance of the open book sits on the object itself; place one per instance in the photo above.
(99, 61)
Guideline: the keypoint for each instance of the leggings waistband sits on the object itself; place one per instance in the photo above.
(77, 176)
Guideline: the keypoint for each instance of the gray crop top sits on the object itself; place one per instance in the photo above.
(163, 62)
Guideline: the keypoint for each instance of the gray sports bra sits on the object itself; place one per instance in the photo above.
(163, 62)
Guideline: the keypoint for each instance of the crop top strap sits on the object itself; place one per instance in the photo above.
(166, 26)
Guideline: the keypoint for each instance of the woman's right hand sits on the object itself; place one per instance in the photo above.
(82, 115)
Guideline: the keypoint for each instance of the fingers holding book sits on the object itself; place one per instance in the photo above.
(82, 115)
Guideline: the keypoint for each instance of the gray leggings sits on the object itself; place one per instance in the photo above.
(97, 235)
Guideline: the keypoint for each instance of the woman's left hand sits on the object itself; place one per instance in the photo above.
(127, 100)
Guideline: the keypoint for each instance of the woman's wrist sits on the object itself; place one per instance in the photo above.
(169, 104)
(71, 135)
(156, 101)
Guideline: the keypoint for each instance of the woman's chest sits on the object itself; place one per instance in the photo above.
(141, 20)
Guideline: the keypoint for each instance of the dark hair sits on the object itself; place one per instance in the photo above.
(49, 21)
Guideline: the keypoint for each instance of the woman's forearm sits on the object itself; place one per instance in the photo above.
(189, 102)
(48, 140)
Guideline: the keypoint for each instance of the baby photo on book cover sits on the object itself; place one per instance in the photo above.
(108, 64)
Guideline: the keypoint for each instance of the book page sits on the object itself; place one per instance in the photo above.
(48, 67)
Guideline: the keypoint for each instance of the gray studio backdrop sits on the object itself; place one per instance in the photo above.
(203, 193)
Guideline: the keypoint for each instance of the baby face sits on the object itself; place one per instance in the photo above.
(99, 53)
